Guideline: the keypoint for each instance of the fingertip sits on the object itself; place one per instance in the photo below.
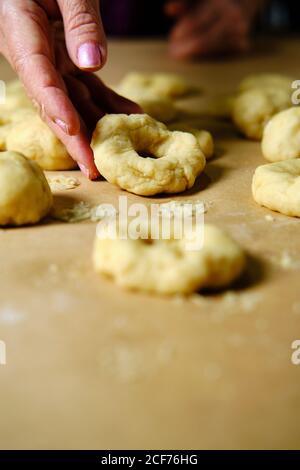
(90, 56)
(129, 107)
(90, 171)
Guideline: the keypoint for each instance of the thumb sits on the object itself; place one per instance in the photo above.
(85, 37)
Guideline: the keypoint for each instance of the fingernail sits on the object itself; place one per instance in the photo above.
(63, 125)
(84, 170)
(89, 55)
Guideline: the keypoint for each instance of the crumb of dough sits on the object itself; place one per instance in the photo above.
(53, 268)
(287, 261)
(197, 300)
(261, 324)
(79, 212)
(235, 340)
(269, 218)
(212, 372)
(189, 207)
(178, 299)
(62, 182)
(296, 308)
(240, 302)
(10, 315)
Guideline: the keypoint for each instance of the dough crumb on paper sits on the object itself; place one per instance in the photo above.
(79, 212)
(62, 182)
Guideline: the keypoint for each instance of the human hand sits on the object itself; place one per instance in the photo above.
(210, 27)
(55, 67)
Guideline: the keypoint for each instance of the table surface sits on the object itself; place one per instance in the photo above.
(92, 366)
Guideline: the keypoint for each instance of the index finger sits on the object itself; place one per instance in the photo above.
(31, 55)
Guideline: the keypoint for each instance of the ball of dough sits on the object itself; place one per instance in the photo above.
(123, 146)
(161, 85)
(166, 266)
(29, 135)
(281, 138)
(25, 196)
(265, 81)
(253, 109)
(277, 187)
(203, 137)
(15, 98)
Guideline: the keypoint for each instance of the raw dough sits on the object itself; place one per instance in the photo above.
(160, 108)
(22, 130)
(277, 186)
(162, 85)
(15, 98)
(26, 133)
(254, 108)
(154, 93)
(120, 140)
(265, 81)
(203, 137)
(220, 106)
(281, 139)
(25, 196)
(166, 267)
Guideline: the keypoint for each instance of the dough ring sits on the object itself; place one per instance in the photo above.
(28, 134)
(25, 196)
(203, 137)
(277, 187)
(281, 139)
(162, 85)
(265, 81)
(220, 106)
(253, 109)
(160, 108)
(120, 141)
(166, 266)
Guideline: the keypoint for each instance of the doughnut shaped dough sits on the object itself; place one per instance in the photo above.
(203, 137)
(29, 135)
(220, 106)
(265, 81)
(281, 138)
(277, 187)
(166, 267)
(119, 140)
(25, 196)
(253, 109)
(161, 85)
(160, 108)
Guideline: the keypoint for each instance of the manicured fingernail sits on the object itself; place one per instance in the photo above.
(84, 170)
(63, 125)
(89, 55)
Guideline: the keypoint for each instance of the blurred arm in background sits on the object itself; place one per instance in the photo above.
(211, 27)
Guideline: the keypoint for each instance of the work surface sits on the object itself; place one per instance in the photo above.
(92, 366)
